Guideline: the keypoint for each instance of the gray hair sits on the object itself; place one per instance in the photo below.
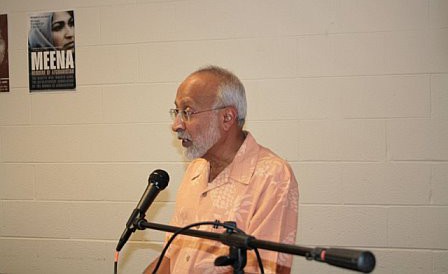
(231, 91)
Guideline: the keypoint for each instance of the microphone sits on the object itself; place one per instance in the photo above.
(362, 261)
(157, 181)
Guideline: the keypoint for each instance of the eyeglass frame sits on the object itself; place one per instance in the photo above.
(185, 115)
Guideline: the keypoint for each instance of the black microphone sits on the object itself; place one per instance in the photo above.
(157, 181)
(359, 260)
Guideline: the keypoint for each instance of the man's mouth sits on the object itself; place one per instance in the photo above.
(186, 141)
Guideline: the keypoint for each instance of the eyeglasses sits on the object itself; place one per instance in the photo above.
(185, 115)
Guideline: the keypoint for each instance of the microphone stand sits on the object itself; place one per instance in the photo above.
(358, 260)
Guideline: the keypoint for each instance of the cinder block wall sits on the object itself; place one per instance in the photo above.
(353, 93)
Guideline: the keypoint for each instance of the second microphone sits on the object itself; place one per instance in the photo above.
(157, 181)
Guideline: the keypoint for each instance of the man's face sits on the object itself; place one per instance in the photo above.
(201, 139)
(201, 132)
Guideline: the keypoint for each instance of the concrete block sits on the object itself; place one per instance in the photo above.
(403, 261)
(112, 64)
(139, 103)
(319, 183)
(15, 108)
(383, 15)
(373, 53)
(437, 11)
(55, 256)
(330, 225)
(87, 26)
(347, 140)
(386, 96)
(98, 220)
(407, 52)
(276, 99)
(114, 31)
(340, 54)
(437, 40)
(439, 96)
(439, 184)
(174, 21)
(18, 26)
(440, 262)
(17, 181)
(64, 108)
(386, 184)
(320, 98)
(418, 227)
(36, 219)
(18, 74)
(71, 182)
(304, 98)
(262, 57)
(19, 256)
(73, 256)
(417, 139)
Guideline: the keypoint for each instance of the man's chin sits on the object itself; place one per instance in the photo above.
(191, 154)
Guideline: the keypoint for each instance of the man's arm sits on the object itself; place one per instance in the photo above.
(163, 269)
(275, 218)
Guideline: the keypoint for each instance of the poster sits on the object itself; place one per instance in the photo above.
(51, 51)
(4, 59)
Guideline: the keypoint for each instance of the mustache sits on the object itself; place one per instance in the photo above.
(183, 135)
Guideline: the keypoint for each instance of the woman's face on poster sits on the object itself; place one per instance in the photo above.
(2, 48)
(63, 30)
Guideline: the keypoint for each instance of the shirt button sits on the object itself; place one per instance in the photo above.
(187, 258)
(204, 194)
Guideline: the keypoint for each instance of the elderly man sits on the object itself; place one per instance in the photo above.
(230, 178)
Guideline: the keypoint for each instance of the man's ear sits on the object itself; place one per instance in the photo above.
(229, 118)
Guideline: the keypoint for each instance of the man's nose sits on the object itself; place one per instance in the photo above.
(178, 124)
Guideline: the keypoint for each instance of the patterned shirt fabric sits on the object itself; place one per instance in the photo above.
(257, 190)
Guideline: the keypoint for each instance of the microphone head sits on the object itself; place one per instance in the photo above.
(159, 178)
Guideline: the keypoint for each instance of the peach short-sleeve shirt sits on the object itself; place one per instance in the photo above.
(257, 190)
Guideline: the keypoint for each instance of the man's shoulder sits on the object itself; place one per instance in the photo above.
(266, 154)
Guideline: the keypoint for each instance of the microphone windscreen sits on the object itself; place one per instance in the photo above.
(159, 178)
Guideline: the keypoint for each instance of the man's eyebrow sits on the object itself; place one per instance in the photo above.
(186, 103)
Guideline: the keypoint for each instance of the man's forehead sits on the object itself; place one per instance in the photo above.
(197, 89)
(202, 80)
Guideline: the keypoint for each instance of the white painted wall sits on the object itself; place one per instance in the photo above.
(353, 93)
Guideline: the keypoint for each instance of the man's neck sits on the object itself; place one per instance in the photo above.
(223, 153)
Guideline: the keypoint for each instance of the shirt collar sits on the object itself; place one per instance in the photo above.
(242, 166)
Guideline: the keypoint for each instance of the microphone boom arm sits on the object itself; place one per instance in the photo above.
(358, 260)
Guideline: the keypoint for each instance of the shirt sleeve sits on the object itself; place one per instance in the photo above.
(275, 217)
